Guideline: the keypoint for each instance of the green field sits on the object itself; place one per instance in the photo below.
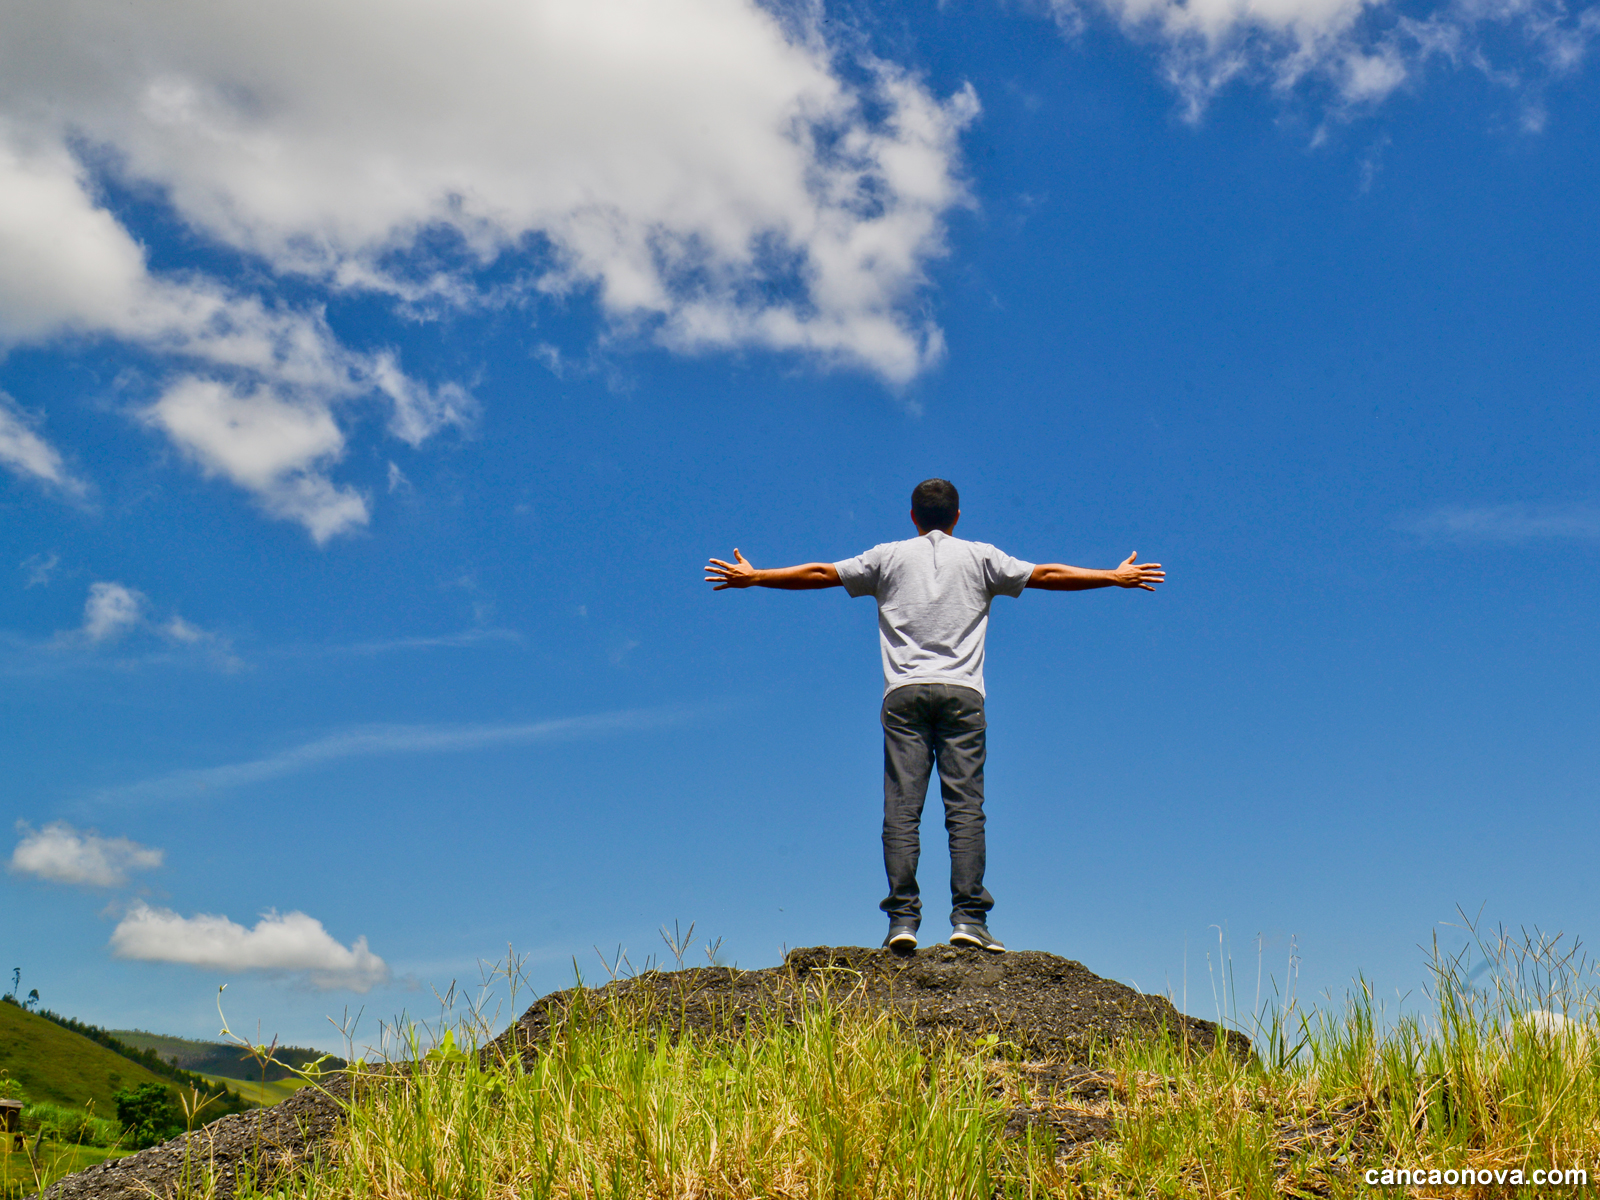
(265, 1094)
(62, 1067)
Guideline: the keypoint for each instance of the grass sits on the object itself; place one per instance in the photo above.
(54, 1064)
(843, 1103)
(1497, 1074)
(21, 1174)
(76, 1126)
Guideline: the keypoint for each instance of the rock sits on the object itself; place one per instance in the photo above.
(267, 1143)
(1037, 1005)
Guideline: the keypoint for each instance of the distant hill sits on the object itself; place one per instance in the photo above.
(219, 1058)
(55, 1064)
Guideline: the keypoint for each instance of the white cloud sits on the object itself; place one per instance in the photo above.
(23, 451)
(1509, 522)
(61, 854)
(700, 167)
(290, 943)
(111, 611)
(67, 267)
(1357, 51)
(274, 447)
(180, 630)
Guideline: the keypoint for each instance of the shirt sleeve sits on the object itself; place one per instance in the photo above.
(860, 574)
(1004, 575)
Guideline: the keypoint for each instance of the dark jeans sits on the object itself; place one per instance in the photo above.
(924, 723)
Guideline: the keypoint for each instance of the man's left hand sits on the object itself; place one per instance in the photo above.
(1138, 575)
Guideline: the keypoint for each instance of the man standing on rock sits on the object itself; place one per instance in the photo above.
(933, 594)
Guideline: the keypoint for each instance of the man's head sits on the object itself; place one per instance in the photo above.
(935, 504)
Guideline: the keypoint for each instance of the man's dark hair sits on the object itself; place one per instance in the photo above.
(934, 504)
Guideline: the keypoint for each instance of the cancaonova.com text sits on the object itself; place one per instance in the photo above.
(1468, 1176)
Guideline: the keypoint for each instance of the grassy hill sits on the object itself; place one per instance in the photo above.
(218, 1059)
(63, 1067)
(264, 1094)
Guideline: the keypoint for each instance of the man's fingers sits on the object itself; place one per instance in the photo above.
(1129, 560)
(739, 556)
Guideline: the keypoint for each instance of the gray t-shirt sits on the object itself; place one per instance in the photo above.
(933, 596)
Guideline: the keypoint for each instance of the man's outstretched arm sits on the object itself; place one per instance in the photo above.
(740, 574)
(1058, 577)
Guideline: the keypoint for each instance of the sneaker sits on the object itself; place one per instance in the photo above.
(975, 933)
(902, 936)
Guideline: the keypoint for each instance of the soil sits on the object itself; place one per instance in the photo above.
(1046, 1013)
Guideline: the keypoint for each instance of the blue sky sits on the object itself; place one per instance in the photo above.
(374, 389)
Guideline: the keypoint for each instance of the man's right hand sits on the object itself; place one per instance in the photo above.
(737, 574)
(740, 574)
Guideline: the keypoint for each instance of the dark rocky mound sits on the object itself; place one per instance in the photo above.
(1039, 1006)
(265, 1144)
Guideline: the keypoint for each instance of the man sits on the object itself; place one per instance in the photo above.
(933, 594)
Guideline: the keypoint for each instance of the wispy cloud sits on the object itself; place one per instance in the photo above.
(369, 741)
(1353, 53)
(288, 943)
(465, 638)
(39, 568)
(58, 853)
(25, 453)
(1508, 522)
(116, 613)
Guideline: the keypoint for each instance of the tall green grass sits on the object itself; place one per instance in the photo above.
(840, 1103)
(1497, 1072)
(58, 1123)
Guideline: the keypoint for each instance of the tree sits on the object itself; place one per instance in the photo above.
(149, 1115)
(33, 1000)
